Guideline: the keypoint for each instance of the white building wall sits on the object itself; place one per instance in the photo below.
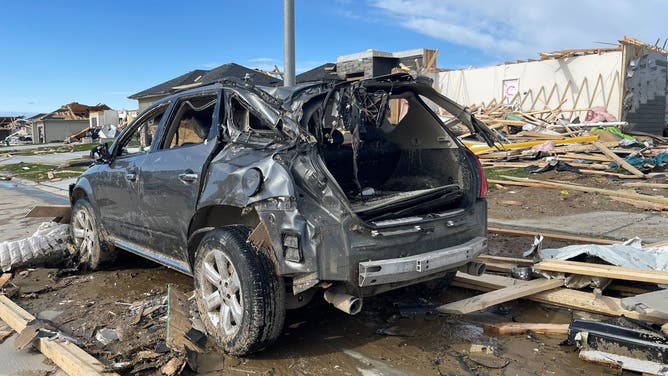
(596, 76)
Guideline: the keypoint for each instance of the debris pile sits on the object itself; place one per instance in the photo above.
(624, 281)
(46, 246)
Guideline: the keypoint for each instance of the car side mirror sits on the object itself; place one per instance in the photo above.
(100, 153)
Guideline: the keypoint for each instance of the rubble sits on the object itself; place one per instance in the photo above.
(48, 243)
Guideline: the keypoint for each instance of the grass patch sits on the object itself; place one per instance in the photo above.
(65, 148)
(494, 173)
(40, 172)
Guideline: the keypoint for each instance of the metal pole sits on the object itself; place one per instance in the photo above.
(288, 42)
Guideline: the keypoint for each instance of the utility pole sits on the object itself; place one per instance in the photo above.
(288, 42)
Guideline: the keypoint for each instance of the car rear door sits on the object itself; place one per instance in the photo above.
(171, 175)
(117, 190)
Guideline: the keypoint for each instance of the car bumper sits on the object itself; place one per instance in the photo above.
(401, 269)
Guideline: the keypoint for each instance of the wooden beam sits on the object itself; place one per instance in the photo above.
(528, 144)
(503, 295)
(551, 235)
(512, 260)
(620, 161)
(66, 355)
(636, 196)
(521, 328)
(52, 211)
(606, 271)
(563, 297)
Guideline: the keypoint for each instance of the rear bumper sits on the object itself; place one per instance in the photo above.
(402, 269)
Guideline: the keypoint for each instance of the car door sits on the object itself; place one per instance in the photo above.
(171, 176)
(118, 192)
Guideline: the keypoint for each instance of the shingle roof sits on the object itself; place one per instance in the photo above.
(325, 72)
(73, 111)
(189, 78)
(238, 71)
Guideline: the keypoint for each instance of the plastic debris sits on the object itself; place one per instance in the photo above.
(48, 242)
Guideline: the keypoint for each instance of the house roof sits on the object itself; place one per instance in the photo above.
(325, 72)
(238, 71)
(166, 87)
(71, 111)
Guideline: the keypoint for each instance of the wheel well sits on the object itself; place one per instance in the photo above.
(77, 193)
(211, 217)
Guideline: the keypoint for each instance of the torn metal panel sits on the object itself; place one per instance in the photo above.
(633, 341)
(627, 255)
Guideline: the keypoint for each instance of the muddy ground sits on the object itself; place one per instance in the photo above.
(385, 339)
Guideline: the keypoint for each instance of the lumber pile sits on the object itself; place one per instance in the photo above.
(498, 287)
(588, 139)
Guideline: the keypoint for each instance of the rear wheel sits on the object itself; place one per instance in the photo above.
(94, 251)
(240, 298)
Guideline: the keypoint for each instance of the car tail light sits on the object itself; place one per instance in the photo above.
(483, 179)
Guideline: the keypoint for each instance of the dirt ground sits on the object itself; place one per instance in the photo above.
(396, 334)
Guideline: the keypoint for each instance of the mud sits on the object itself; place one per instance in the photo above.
(318, 339)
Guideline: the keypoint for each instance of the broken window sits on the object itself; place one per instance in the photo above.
(191, 123)
(142, 134)
(245, 120)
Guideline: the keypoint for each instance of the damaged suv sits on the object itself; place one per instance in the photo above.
(268, 195)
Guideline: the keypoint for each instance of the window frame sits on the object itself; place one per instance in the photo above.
(122, 140)
(166, 127)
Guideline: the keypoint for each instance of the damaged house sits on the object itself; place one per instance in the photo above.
(628, 81)
(200, 77)
(61, 123)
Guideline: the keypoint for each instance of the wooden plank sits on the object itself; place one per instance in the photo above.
(49, 211)
(606, 271)
(620, 161)
(551, 235)
(662, 243)
(588, 157)
(563, 297)
(581, 188)
(647, 185)
(70, 358)
(624, 362)
(503, 295)
(521, 328)
(641, 204)
(520, 145)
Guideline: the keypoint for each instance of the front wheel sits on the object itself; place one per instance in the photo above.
(93, 250)
(240, 298)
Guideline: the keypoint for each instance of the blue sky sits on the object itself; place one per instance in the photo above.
(102, 51)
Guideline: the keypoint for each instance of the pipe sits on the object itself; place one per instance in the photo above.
(349, 304)
(473, 268)
(288, 42)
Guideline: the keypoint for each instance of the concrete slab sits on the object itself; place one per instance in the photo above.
(27, 361)
(612, 224)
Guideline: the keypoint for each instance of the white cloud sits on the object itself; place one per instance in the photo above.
(522, 28)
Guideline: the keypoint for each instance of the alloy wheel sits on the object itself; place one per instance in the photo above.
(222, 292)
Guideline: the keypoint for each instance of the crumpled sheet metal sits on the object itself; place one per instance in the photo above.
(48, 242)
(629, 254)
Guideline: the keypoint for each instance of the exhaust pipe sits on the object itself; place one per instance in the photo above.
(473, 268)
(337, 297)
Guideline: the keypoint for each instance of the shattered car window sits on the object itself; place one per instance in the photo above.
(192, 122)
(142, 135)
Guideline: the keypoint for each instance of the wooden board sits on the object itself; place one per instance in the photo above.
(636, 196)
(521, 328)
(178, 320)
(49, 211)
(503, 295)
(620, 161)
(551, 235)
(70, 358)
(562, 297)
(606, 271)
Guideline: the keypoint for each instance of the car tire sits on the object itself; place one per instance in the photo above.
(243, 308)
(94, 251)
